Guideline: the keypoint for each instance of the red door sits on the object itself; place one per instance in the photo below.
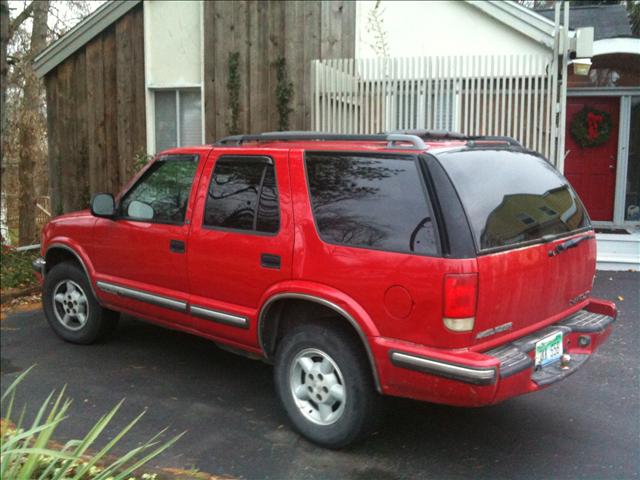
(235, 253)
(592, 170)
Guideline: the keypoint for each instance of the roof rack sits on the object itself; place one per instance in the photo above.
(394, 140)
(472, 140)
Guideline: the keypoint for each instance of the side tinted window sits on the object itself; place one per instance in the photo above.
(162, 194)
(243, 195)
(374, 202)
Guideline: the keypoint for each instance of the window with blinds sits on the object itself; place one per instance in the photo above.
(178, 118)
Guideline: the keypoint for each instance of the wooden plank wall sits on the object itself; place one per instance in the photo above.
(96, 114)
(262, 32)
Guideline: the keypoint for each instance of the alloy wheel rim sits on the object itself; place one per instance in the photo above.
(70, 305)
(317, 387)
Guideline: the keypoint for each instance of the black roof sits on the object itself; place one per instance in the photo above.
(608, 20)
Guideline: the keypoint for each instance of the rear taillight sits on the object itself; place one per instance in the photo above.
(460, 298)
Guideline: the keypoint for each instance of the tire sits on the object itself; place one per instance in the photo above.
(323, 365)
(71, 309)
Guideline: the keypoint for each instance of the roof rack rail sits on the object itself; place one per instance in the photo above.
(394, 140)
(447, 135)
(472, 140)
(431, 134)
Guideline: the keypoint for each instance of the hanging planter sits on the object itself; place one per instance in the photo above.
(591, 127)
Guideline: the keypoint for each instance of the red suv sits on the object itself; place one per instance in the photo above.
(432, 266)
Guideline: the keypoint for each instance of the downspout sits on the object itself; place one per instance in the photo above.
(553, 148)
(563, 89)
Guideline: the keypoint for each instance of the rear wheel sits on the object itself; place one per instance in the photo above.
(72, 311)
(325, 385)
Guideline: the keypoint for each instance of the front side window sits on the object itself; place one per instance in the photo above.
(178, 118)
(243, 195)
(375, 202)
(162, 194)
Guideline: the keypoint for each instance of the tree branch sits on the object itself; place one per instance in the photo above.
(24, 14)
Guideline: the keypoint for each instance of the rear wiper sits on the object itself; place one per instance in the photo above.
(569, 244)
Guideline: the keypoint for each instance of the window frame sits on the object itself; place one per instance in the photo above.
(268, 161)
(145, 174)
(177, 91)
(415, 158)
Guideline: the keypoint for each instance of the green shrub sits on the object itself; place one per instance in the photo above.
(16, 267)
(27, 452)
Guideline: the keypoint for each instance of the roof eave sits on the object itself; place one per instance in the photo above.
(79, 35)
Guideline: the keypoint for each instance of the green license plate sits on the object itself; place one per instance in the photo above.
(549, 349)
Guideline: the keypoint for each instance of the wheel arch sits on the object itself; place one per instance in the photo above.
(268, 324)
(58, 252)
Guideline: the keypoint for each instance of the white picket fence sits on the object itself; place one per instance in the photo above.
(509, 95)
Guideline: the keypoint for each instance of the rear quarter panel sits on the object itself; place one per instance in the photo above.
(401, 293)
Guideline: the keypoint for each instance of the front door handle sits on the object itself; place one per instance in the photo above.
(176, 246)
(268, 260)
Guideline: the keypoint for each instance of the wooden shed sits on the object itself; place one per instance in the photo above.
(137, 77)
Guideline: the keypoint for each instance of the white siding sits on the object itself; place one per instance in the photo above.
(440, 28)
(172, 43)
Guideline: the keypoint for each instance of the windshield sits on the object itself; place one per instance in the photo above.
(512, 197)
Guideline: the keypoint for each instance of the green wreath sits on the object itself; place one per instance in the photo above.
(591, 127)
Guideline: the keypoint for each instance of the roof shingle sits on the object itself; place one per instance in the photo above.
(608, 20)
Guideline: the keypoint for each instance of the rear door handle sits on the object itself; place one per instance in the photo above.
(176, 246)
(268, 260)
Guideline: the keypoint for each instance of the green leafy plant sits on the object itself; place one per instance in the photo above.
(27, 452)
(16, 270)
(233, 90)
(284, 94)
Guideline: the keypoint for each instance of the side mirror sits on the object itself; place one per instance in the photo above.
(103, 205)
(140, 210)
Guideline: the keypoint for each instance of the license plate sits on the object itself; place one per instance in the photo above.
(549, 349)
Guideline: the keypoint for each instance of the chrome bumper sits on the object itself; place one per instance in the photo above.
(467, 374)
(39, 265)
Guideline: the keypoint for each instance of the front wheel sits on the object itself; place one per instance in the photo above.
(72, 311)
(324, 383)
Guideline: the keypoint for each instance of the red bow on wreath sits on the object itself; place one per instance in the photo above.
(593, 125)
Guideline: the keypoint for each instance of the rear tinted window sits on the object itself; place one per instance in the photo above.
(370, 201)
(513, 197)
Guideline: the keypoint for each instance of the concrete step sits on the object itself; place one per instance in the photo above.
(618, 252)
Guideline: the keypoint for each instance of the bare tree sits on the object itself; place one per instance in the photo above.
(31, 116)
(7, 30)
(375, 26)
(24, 152)
(4, 67)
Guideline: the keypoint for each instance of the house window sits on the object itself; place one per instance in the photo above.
(178, 118)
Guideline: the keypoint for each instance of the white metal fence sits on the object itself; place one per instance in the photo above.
(478, 95)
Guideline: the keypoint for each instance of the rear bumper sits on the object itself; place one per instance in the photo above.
(467, 378)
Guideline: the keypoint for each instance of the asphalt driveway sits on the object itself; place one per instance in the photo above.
(585, 427)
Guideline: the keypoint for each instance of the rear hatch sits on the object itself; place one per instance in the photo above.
(536, 249)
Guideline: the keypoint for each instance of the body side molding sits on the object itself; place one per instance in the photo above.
(142, 296)
(219, 317)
